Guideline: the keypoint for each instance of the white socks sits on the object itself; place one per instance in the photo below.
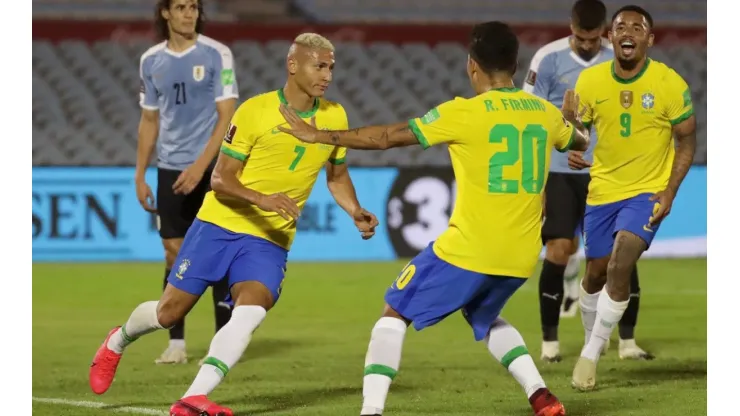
(507, 346)
(143, 320)
(608, 314)
(381, 363)
(227, 347)
(588, 304)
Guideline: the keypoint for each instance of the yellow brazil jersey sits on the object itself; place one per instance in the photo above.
(500, 144)
(634, 147)
(274, 162)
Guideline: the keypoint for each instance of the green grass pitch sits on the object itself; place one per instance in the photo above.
(307, 358)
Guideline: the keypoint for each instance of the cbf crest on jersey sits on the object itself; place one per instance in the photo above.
(625, 97)
(199, 72)
(648, 101)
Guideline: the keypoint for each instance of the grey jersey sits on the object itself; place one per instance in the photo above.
(184, 87)
(554, 69)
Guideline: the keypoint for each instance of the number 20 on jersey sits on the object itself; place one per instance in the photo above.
(533, 144)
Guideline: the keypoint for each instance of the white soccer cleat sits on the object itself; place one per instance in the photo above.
(551, 352)
(173, 355)
(584, 375)
(628, 350)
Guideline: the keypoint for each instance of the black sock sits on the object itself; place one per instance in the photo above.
(629, 319)
(222, 311)
(551, 296)
(177, 331)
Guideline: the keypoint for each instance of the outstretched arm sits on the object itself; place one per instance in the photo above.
(369, 138)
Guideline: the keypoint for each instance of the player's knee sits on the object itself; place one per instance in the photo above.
(167, 315)
(389, 312)
(252, 293)
(558, 251)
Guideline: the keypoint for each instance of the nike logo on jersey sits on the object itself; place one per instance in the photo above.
(601, 101)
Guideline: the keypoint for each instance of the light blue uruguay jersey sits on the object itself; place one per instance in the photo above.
(554, 69)
(184, 87)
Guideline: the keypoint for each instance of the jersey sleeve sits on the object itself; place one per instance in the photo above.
(147, 92)
(540, 75)
(586, 100)
(561, 130)
(241, 136)
(225, 85)
(339, 154)
(441, 124)
(679, 106)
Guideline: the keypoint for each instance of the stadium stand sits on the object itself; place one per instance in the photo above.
(675, 12)
(85, 109)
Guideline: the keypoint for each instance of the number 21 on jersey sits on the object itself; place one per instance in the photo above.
(529, 145)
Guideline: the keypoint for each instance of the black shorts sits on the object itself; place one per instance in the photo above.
(175, 213)
(565, 204)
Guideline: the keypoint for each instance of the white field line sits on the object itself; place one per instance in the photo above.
(98, 405)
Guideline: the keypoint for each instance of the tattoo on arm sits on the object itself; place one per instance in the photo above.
(684, 157)
(374, 137)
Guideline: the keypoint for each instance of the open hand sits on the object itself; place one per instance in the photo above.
(365, 222)
(298, 127)
(663, 207)
(280, 203)
(188, 180)
(576, 160)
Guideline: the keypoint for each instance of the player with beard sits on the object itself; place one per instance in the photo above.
(554, 69)
(638, 107)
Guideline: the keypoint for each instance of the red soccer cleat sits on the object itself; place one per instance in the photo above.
(198, 406)
(103, 367)
(545, 403)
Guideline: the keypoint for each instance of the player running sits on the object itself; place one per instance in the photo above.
(637, 106)
(554, 69)
(188, 95)
(500, 143)
(245, 228)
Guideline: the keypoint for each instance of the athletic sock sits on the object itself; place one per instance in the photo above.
(382, 361)
(507, 345)
(629, 319)
(608, 314)
(143, 320)
(227, 347)
(588, 303)
(551, 297)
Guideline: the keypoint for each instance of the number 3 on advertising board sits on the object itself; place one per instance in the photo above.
(405, 277)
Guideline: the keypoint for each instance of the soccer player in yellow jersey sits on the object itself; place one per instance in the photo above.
(638, 107)
(246, 225)
(499, 143)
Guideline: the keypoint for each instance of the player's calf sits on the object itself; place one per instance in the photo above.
(382, 360)
(252, 301)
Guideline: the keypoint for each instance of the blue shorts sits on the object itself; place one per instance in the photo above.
(602, 222)
(210, 253)
(429, 289)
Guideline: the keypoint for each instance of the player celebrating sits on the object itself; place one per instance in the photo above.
(637, 106)
(247, 224)
(555, 68)
(188, 95)
(499, 143)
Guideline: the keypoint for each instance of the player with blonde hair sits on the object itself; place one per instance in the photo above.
(262, 180)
